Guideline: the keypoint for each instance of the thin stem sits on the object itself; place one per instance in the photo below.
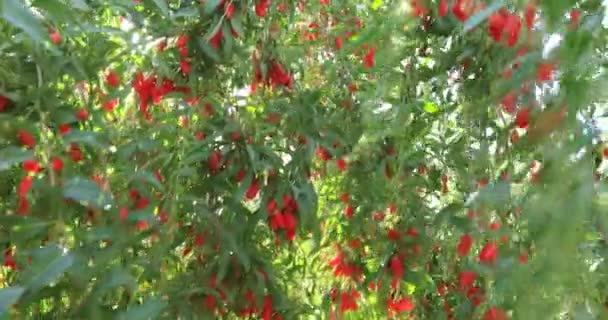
(47, 150)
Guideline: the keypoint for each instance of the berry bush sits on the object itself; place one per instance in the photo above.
(303, 159)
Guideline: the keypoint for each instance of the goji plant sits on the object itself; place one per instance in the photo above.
(281, 159)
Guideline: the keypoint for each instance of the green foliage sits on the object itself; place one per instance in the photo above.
(429, 159)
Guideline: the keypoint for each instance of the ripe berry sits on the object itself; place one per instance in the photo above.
(82, 114)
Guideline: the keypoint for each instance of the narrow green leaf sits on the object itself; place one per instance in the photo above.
(146, 311)
(237, 25)
(189, 12)
(253, 157)
(125, 151)
(80, 189)
(87, 137)
(55, 10)
(147, 145)
(201, 290)
(228, 40)
(223, 262)
(148, 177)
(64, 115)
(211, 5)
(186, 172)
(162, 5)
(15, 12)
(118, 277)
(308, 203)
(209, 51)
(12, 155)
(28, 229)
(306, 198)
(264, 69)
(80, 4)
(196, 157)
(554, 11)
(8, 297)
(494, 194)
(51, 271)
(482, 15)
(239, 193)
(141, 215)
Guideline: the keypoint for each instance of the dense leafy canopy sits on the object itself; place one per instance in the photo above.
(279, 159)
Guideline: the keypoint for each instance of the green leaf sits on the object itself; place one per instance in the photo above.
(118, 277)
(55, 9)
(186, 172)
(197, 157)
(125, 151)
(87, 137)
(28, 229)
(146, 311)
(8, 297)
(51, 271)
(308, 203)
(430, 107)
(64, 115)
(80, 4)
(554, 11)
(239, 194)
(15, 12)
(147, 176)
(228, 40)
(253, 157)
(306, 198)
(147, 145)
(189, 12)
(84, 190)
(211, 5)
(208, 50)
(238, 250)
(482, 15)
(12, 155)
(142, 215)
(237, 25)
(264, 69)
(495, 194)
(224, 262)
(162, 5)
(201, 290)
(461, 223)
